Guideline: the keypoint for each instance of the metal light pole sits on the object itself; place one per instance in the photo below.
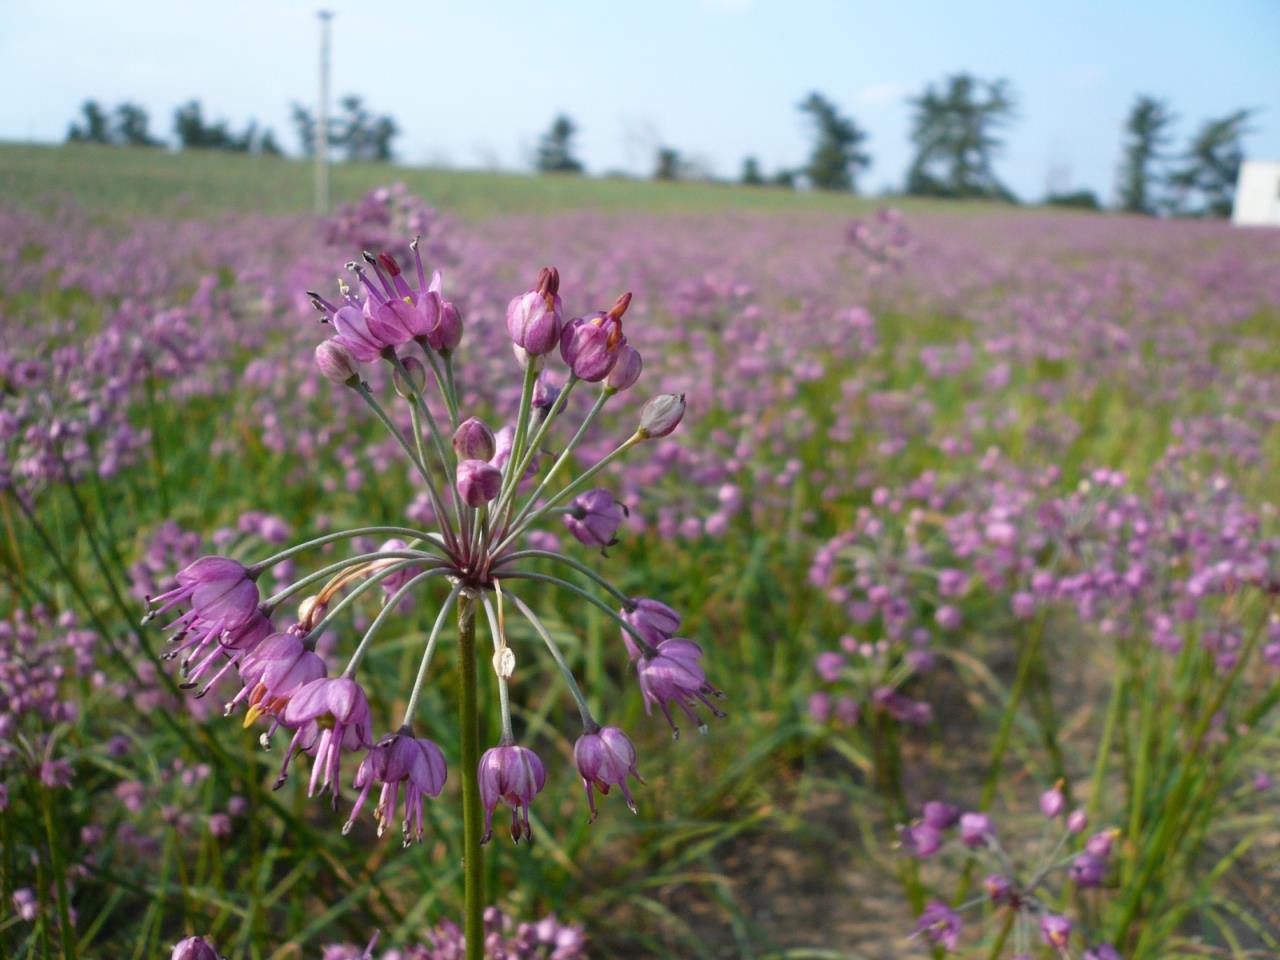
(322, 119)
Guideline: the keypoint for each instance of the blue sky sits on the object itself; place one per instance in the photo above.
(474, 84)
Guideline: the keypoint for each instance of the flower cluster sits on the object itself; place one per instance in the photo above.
(1022, 886)
(487, 493)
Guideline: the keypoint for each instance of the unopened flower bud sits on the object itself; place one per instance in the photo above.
(310, 610)
(194, 948)
(473, 440)
(534, 319)
(338, 363)
(1055, 931)
(1077, 820)
(417, 377)
(478, 482)
(626, 369)
(594, 518)
(661, 415)
(975, 828)
(1052, 802)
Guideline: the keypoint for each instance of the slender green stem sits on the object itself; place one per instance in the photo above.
(582, 568)
(472, 814)
(325, 572)
(387, 609)
(432, 493)
(587, 720)
(1003, 936)
(504, 695)
(449, 402)
(365, 585)
(436, 629)
(590, 598)
(564, 456)
(451, 390)
(66, 932)
(293, 551)
(504, 505)
(520, 525)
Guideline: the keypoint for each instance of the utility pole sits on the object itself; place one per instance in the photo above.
(322, 119)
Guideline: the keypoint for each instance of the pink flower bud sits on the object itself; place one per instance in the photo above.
(473, 440)
(336, 361)
(661, 415)
(478, 482)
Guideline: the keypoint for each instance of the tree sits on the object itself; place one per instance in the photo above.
(361, 134)
(1080, 199)
(955, 135)
(93, 128)
(1211, 166)
(1146, 136)
(555, 149)
(669, 165)
(836, 159)
(131, 127)
(195, 134)
(751, 175)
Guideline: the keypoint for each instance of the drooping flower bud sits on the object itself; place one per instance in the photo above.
(1087, 870)
(478, 482)
(652, 619)
(594, 518)
(940, 925)
(590, 345)
(545, 394)
(534, 319)
(940, 815)
(513, 775)
(1055, 931)
(975, 829)
(998, 888)
(673, 675)
(338, 711)
(921, 840)
(605, 759)
(417, 377)
(400, 758)
(1077, 820)
(336, 361)
(194, 948)
(473, 440)
(661, 415)
(1103, 951)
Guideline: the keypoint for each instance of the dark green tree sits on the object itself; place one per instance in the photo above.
(1205, 183)
(131, 127)
(361, 134)
(555, 149)
(1146, 137)
(668, 165)
(836, 157)
(751, 175)
(195, 134)
(93, 126)
(955, 133)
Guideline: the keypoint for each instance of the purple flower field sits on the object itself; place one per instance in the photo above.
(784, 584)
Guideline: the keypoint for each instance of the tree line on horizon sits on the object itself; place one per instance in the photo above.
(957, 132)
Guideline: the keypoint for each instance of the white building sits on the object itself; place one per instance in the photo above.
(1258, 194)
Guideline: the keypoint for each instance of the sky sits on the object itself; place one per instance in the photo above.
(475, 84)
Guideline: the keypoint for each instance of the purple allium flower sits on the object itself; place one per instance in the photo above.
(478, 482)
(605, 758)
(820, 707)
(513, 775)
(1103, 951)
(194, 948)
(672, 674)
(534, 319)
(594, 518)
(998, 888)
(652, 619)
(829, 665)
(1100, 843)
(1053, 802)
(975, 829)
(473, 440)
(1087, 870)
(940, 925)
(329, 716)
(219, 824)
(400, 758)
(589, 346)
(1055, 931)
(25, 904)
(336, 361)
(55, 774)
(940, 816)
(848, 711)
(948, 617)
(1077, 821)
(272, 672)
(221, 591)
(626, 369)
(921, 840)
(661, 415)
